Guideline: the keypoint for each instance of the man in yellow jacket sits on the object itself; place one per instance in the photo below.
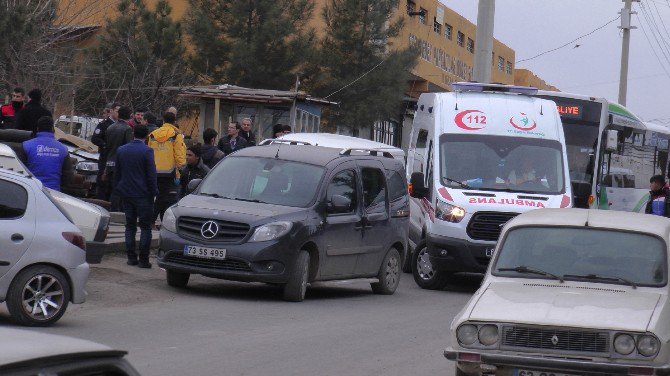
(170, 155)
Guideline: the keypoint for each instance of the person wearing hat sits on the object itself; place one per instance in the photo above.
(194, 169)
(45, 155)
(99, 139)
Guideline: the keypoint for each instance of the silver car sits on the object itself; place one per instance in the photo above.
(43, 254)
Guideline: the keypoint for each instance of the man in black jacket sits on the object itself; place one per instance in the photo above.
(211, 155)
(118, 134)
(99, 139)
(233, 142)
(26, 119)
(246, 133)
(659, 197)
(194, 169)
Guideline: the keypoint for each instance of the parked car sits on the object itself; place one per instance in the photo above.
(24, 352)
(91, 219)
(43, 262)
(570, 292)
(290, 215)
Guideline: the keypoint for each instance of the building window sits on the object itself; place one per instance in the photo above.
(509, 67)
(447, 31)
(437, 27)
(460, 39)
(471, 45)
(422, 16)
(501, 63)
(411, 6)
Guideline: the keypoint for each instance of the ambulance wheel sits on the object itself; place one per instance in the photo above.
(425, 275)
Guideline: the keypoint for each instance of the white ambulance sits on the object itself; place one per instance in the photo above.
(478, 157)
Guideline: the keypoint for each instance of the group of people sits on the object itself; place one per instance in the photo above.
(23, 112)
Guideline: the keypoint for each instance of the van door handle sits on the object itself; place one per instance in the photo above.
(17, 238)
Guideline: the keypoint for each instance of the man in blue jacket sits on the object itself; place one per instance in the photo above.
(135, 175)
(45, 155)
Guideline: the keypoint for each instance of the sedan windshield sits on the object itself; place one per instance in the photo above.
(265, 180)
(584, 254)
(499, 163)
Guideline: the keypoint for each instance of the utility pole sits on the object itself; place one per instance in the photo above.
(625, 48)
(484, 41)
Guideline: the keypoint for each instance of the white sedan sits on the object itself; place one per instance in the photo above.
(570, 292)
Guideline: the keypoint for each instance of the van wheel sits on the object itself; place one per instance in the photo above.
(177, 279)
(425, 275)
(294, 290)
(389, 274)
(38, 296)
(407, 261)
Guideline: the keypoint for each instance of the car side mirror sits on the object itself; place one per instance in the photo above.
(339, 204)
(417, 187)
(193, 185)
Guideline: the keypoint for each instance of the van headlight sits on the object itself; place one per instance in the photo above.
(648, 345)
(624, 344)
(448, 212)
(467, 334)
(169, 221)
(271, 231)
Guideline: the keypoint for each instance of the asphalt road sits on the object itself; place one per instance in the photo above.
(226, 328)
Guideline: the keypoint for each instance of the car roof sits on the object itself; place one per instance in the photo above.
(316, 155)
(340, 141)
(20, 345)
(601, 219)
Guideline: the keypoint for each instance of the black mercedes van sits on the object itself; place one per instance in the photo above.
(291, 215)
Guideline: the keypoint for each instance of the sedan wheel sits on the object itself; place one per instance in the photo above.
(38, 296)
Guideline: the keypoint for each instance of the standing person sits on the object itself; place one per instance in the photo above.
(8, 111)
(211, 155)
(170, 155)
(99, 139)
(233, 141)
(195, 168)
(149, 120)
(46, 156)
(136, 184)
(137, 117)
(246, 133)
(659, 197)
(118, 134)
(26, 119)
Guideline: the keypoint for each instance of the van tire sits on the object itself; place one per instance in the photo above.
(389, 274)
(424, 275)
(177, 279)
(295, 289)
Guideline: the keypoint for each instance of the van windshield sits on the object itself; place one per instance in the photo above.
(264, 180)
(500, 163)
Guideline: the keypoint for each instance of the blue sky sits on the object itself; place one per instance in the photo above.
(534, 26)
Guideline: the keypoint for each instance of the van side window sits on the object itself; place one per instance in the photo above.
(374, 190)
(343, 184)
(420, 151)
(13, 200)
(397, 187)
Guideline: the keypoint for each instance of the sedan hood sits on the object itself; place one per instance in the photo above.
(571, 304)
(249, 210)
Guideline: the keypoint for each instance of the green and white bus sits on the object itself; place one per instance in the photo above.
(611, 152)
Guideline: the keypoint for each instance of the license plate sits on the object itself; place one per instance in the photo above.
(527, 372)
(204, 252)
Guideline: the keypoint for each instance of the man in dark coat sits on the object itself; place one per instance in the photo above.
(135, 177)
(246, 133)
(26, 119)
(194, 169)
(118, 134)
(99, 139)
(233, 142)
(211, 155)
(659, 197)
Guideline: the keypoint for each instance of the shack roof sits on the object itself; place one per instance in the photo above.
(232, 93)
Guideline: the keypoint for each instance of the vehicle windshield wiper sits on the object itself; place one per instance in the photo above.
(526, 270)
(215, 195)
(602, 278)
(246, 200)
(460, 183)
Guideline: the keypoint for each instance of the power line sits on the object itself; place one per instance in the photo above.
(658, 42)
(569, 43)
(356, 80)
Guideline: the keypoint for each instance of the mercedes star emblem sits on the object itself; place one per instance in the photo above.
(209, 230)
(554, 340)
